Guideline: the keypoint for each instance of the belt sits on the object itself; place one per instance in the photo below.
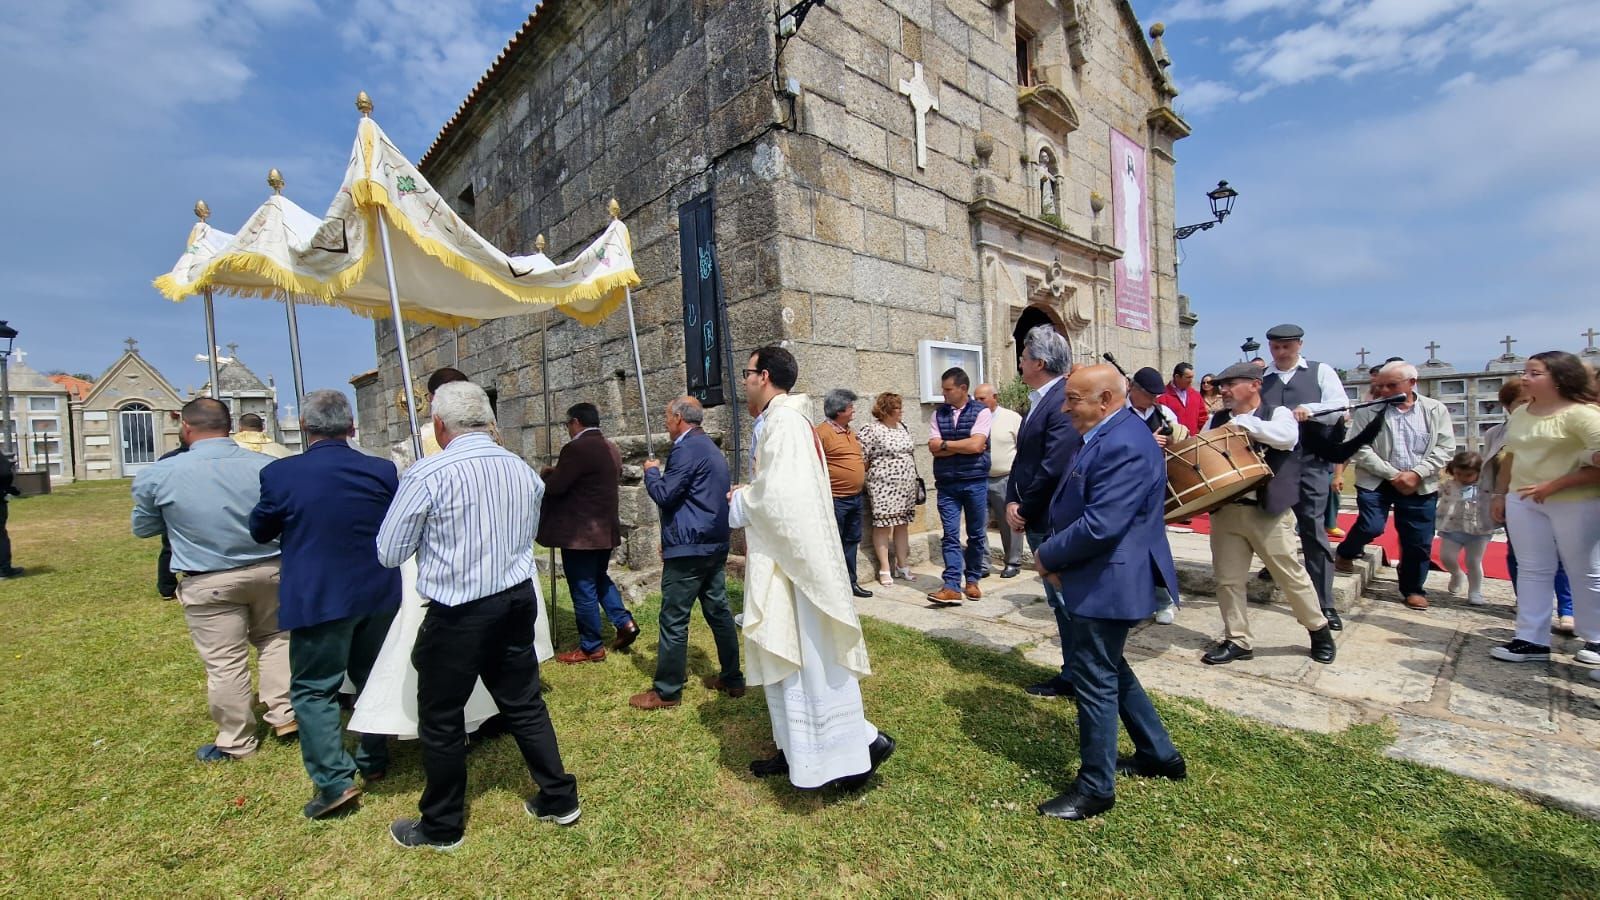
(191, 574)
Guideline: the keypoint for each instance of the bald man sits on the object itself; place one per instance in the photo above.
(1108, 538)
(1004, 425)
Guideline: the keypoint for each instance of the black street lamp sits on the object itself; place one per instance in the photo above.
(8, 337)
(1248, 348)
(1221, 198)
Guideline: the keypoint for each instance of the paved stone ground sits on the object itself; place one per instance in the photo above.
(1530, 727)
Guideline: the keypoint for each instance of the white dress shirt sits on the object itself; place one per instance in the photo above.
(1333, 396)
(1036, 395)
(469, 513)
(1281, 432)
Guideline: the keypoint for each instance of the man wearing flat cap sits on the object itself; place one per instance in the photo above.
(1144, 390)
(1260, 523)
(1307, 389)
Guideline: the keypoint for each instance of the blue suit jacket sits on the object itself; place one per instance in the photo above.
(1108, 541)
(693, 496)
(325, 506)
(1045, 445)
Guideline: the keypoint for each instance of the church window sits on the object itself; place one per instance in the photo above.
(1026, 56)
(467, 206)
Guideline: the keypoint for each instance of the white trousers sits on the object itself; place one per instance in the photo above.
(1544, 534)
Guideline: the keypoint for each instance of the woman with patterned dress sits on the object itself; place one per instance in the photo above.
(891, 485)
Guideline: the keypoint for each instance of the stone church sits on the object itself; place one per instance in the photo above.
(887, 186)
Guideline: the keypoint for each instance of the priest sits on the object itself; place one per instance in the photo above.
(803, 642)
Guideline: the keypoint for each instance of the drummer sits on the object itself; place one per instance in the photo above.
(1143, 390)
(1260, 522)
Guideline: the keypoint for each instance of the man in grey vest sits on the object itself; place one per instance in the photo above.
(1260, 523)
(1307, 388)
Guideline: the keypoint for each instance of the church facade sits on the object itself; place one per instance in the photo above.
(886, 186)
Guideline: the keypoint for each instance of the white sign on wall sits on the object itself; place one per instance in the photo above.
(94, 417)
(934, 358)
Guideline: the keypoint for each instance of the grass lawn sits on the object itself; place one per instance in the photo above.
(102, 704)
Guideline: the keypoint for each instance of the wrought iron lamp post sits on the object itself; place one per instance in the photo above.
(8, 336)
(1221, 198)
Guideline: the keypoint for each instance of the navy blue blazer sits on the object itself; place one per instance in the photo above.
(1108, 541)
(324, 506)
(1045, 445)
(693, 496)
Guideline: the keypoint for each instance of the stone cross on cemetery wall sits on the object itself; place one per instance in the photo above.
(1590, 334)
(1364, 353)
(922, 100)
(1508, 342)
(1433, 350)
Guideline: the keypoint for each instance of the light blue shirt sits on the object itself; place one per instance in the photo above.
(1035, 396)
(202, 500)
(1090, 435)
(469, 513)
(755, 437)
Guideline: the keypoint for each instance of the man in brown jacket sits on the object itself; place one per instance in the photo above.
(579, 516)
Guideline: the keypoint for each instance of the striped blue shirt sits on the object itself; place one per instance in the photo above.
(469, 513)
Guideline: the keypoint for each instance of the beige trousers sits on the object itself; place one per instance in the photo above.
(1237, 532)
(227, 612)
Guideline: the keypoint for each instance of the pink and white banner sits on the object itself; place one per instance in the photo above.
(1130, 220)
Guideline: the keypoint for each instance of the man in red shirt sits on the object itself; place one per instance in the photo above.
(1183, 399)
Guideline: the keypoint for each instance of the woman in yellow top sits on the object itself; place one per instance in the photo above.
(1552, 507)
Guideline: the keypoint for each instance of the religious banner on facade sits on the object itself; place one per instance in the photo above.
(1130, 219)
(703, 312)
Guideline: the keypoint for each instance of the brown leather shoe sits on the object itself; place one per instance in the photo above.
(972, 591)
(577, 655)
(287, 730)
(626, 635)
(1347, 566)
(945, 597)
(651, 700)
(1416, 601)
(714, 683)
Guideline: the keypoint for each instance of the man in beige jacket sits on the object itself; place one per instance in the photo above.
(252, 435)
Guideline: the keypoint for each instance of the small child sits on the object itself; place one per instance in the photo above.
(1464, 524)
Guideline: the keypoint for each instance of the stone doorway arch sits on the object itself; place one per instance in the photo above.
(1032, 316)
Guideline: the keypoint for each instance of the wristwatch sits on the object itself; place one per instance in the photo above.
(943, 444)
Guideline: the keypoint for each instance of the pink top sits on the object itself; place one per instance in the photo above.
(981, 425)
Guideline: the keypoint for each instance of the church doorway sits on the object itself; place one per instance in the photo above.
(137, 430)
(1031, 317)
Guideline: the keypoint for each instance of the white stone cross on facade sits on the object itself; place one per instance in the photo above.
(922, 100)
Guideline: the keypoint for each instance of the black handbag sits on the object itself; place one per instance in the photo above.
(922, 491)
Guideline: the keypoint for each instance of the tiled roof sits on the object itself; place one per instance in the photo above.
(78, 388)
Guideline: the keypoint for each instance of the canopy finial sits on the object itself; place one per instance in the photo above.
(275, 180)
(616, 208)
(364, 103)
(201, 210)
(538, 243)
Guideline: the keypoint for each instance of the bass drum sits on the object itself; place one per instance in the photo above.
(1211, 468)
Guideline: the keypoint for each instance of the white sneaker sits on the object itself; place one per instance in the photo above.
(1164, 616)
(1477, 599)
(1590, 654)
(1457, 582)
(739, 620)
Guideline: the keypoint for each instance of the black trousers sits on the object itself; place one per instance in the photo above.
(5, 539)
(166, 582)
(491, 638)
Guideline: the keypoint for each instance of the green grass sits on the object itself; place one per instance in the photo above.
(102, 704)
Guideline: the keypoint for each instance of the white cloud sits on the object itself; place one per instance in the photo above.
(1203, 96)
(1464, 80)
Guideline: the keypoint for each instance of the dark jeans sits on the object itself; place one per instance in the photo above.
(1413, 522)
(591, 589)
(1108, 690)
(1563, 585)
(490, 638)
(969, 498)
(847, 514)
(319, 657)
(5, 538)
(1063, 620)
(684, 580)
(166, 582)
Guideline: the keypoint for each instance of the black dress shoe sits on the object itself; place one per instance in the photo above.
(325, 805)
(1076, 807)
(1332, 615)
(1011, 572)
(881, 748)
(1264, 575)
(1174, 769)
(1323, 649)
(626, 635)
(1226, 652)
(985, 573)
(860, 591)
(1055, 687)
(408, 834)
(766, 768)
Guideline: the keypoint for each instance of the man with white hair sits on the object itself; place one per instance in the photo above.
(469, 514)
(324, 507)
(847, 475)
(1399, 472)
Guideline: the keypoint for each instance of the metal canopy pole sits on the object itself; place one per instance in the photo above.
(549, 438)
(638, 365)
(275, 181)
(203, 212)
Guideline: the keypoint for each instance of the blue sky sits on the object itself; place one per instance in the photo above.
(1410, 170)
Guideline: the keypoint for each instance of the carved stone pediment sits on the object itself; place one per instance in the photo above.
(1047, 108)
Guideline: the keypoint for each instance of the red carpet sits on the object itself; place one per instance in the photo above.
(1494, 558)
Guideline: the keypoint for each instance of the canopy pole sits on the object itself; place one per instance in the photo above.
(400, 335)
(549, 438)
(211, 347)
(294, 352)
(638, 366)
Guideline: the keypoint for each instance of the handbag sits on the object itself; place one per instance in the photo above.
(922, 491)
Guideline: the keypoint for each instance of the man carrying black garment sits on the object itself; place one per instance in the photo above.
(469, 513)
